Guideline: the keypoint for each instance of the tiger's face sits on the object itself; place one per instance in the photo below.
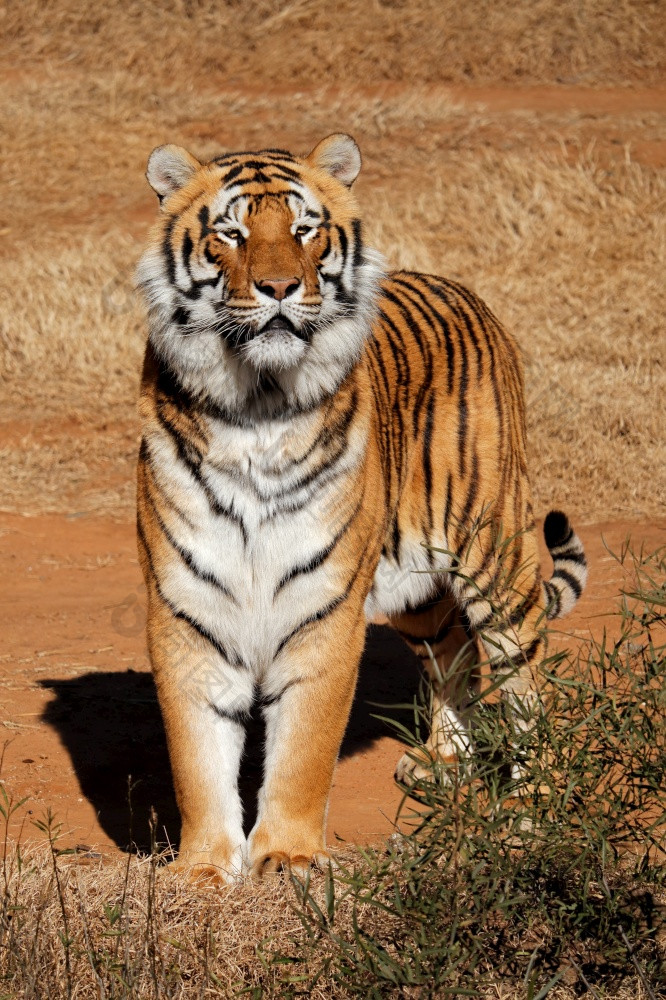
(260, 291)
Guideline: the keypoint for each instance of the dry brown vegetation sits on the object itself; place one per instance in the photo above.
(556, 216)
(170, 939)
(303, 41)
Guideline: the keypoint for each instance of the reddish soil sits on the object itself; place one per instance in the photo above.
(78, 703)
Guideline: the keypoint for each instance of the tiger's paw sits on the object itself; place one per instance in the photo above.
(415, 765)
(207, 868)
(423, 764)
(282, 862)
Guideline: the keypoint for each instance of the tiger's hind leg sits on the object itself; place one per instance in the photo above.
(439, 634)
(502, 594)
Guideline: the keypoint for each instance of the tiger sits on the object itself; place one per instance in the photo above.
(322, 443)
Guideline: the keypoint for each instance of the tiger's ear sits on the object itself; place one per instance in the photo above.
(339, 156)
(169, 168)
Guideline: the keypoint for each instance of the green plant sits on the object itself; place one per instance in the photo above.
(489, 884)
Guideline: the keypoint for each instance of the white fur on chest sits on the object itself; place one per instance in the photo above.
(277, 514)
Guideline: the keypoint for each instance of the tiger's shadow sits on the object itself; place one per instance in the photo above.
(111, 726)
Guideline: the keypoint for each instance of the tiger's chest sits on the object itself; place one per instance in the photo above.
(250, 529)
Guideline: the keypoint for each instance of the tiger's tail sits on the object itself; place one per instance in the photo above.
(569, 565)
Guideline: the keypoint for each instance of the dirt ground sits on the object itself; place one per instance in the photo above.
(78, 704)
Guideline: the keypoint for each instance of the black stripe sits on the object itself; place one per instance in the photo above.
(326, 250)
(447, 508)
(427, 310)
(232, 174)
(568, 578)
(428, 367)
(487, 325)
(289, 172)
(343, 294)
(468, 505)
(320, 439)
(463, 380)
(526, 605)
(144, 456)
(427, 462)
(358, 242)
(527, 655)
(573, 556)
(310, 620)
(344, 244)
(487, 559)
(398, 352)
(377, 355)
(519, 659)
(167, 250)
(194, 468)
(473, 488)
(396, 442)
(314, 474)
(186, 248)
(413, 325)
(187, 450)
(292, 180)
(195, 291)
(324, 612)
(275, 153)
(340, 429)
(256, 164)
(239, 717)
(204, 216)
(474, 303)
(444, 324)
(235, 660)
(187, 557)
(554, 599)
(293, 508)
(318, 558)
(266, 701)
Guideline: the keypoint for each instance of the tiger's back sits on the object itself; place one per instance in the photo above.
(447, 383)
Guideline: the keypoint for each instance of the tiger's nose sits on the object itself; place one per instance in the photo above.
(278, 288)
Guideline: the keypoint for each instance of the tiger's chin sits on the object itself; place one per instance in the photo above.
(274, 349)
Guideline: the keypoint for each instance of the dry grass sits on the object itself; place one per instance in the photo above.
(567, 248)
(595, 42)
(566, 245)
(166, 939)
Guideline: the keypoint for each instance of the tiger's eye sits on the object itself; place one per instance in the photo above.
(234, 235)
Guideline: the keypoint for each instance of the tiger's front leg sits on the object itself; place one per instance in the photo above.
(204, 702)
(307, 699)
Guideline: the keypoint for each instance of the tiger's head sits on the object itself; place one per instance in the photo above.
(259, 288)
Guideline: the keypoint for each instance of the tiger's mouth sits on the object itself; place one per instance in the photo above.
(281, 325)
(276, 346)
